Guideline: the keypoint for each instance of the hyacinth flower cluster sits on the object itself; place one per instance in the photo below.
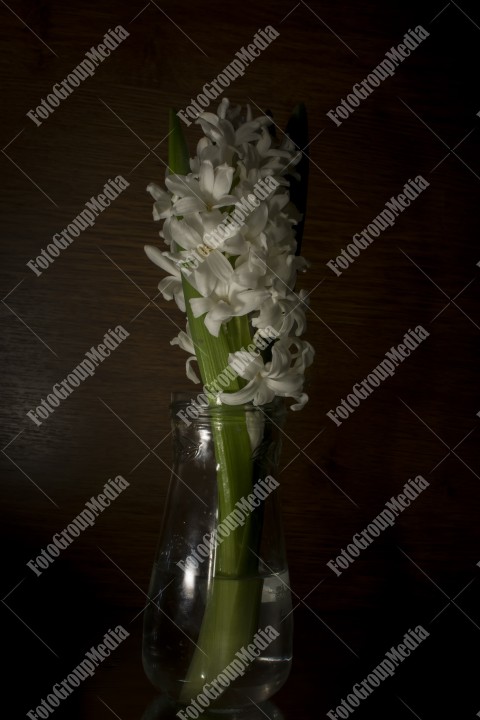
(229, 225)
(231, 262)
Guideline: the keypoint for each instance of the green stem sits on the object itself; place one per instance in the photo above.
(231, 439)
(233, 599)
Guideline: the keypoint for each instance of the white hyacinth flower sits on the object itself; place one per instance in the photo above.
(207, 192)
(240, 264)
(282, 376)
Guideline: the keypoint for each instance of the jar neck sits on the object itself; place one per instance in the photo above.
(187, 409)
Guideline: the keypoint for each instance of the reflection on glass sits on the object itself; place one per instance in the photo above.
(162, 709)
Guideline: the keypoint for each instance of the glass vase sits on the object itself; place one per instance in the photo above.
(218, 627)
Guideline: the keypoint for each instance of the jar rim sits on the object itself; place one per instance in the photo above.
(180, 400)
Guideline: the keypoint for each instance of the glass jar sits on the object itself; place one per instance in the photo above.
(218, 627)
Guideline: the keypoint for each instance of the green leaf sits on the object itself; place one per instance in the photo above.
(178, 155)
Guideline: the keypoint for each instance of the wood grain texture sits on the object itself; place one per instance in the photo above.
(335, 480)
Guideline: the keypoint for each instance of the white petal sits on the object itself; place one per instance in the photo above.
(302, 400)
(270, 316)
(250, 300)
(255, 429)
(162, 260)
(182, 185)
(289, 385)
(162, 210)
(281, 360)
(245, 364)
(264, 143)
(191, 374)
(190, 204)
(235, 245)
(219, 266)
(203, 279)
(184, 235)
(210, 117)
(180, 299)
(157, 192)
(220, 313)
(224, 201)
(257, 220)
(200, 306)
(263, 395)
(241, 396)
(207, 178)
(169, 287)
(223, 181)
(184, 341)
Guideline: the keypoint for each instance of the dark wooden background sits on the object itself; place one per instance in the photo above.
(422, 271)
